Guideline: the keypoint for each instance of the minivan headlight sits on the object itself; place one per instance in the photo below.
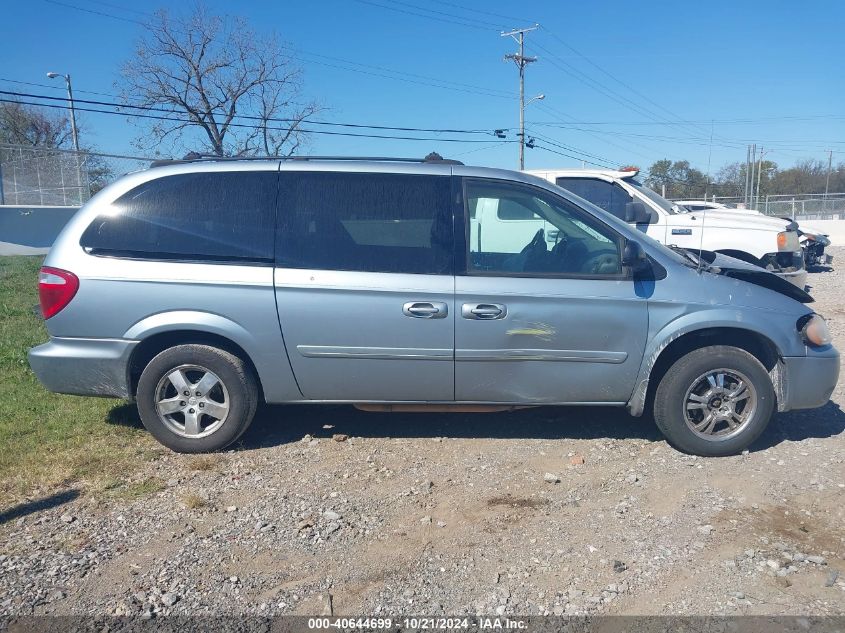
(788, 241)
(814, 330)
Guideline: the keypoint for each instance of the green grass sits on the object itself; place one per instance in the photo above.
(49, 440)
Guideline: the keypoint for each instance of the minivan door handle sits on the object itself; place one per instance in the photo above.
(425, 309)
(484, 311)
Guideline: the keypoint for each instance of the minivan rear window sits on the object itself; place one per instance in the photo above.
(393, 223)
(200, 216)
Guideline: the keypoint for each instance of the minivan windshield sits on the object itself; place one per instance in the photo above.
(656, 198)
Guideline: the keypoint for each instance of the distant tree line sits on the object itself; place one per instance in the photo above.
(681, 180)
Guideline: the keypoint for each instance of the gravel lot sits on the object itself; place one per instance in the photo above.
(565, 511)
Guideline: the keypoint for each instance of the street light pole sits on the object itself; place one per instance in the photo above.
(521, 62)
(827, 182)
(73, 130)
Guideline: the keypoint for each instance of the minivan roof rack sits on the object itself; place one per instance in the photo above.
(194, 157)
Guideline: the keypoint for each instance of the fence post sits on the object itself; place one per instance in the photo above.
(2, 197)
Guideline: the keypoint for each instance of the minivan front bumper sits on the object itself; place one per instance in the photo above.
(84, 366)
(809, 380)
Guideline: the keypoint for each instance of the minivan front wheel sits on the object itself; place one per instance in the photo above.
(196, 398)
(714, 401)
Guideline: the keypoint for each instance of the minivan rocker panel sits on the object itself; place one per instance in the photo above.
(205, 287)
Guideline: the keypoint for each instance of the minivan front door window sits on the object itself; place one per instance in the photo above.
(536, 234)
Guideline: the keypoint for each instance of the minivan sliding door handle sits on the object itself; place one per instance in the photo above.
(425, 309)
(484, 311)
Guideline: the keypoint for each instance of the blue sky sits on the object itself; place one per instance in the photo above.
(624, 82)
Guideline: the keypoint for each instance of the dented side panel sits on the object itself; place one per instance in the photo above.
(562, 340)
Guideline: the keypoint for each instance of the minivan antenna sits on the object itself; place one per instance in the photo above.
(701, 239)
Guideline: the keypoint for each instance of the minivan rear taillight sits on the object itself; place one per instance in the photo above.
(56, 287)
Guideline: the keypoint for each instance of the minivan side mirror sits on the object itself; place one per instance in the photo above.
(637, 213)
(633, 256)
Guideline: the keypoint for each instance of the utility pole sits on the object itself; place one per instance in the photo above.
(827, 182)
(709, 156)
(747, 173)
(759, 173)
(751, 181)
(521, 62)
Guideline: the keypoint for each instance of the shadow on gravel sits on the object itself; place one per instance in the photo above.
(794, 426)
(280, 424)
(275, 425)
(45, 503)
(820, 269)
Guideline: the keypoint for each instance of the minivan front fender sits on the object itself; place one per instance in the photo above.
(727, 326)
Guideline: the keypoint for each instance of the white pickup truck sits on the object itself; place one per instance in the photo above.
(813, 240)
(772, 243)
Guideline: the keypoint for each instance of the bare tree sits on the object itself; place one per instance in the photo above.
(26, 125)
(218, 77)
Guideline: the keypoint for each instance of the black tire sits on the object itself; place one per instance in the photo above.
(669, 400)
(234, 376)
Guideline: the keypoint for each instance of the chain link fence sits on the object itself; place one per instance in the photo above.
(40, 176)
(808, 206)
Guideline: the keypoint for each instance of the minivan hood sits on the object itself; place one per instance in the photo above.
(738, 269)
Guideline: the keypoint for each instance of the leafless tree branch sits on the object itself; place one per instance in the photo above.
(232, 91)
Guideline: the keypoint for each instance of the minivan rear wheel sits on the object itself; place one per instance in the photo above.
(714, 401)
(196, 398)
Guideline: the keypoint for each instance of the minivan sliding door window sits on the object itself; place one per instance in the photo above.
(390, 223)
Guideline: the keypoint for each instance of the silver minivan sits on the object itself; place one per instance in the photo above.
(202, 288)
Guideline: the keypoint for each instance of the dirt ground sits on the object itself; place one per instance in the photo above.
(453, 514)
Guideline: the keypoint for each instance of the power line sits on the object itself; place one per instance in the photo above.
(242, 125)
(94, 12)
(494, 25)
(554, 143)
(603, 140)
(489, 92)
(403, 76)
(609, 74)
(720, 121)
(559, 153)
(54, 87)
(49, 150)
(732, 143)
(423, 15)
(119, 7)
(479, 11)
(249, 117)
(601, 88)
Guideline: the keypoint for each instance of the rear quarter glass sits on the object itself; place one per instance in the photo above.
(204, 216)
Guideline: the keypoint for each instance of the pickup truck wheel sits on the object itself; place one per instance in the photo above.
(196, 398)
(714, 401)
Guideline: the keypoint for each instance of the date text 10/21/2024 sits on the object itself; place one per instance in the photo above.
(418, 623)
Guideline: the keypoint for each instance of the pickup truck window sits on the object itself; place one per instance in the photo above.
(549, 236)
(606, 195)
(655, 197)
